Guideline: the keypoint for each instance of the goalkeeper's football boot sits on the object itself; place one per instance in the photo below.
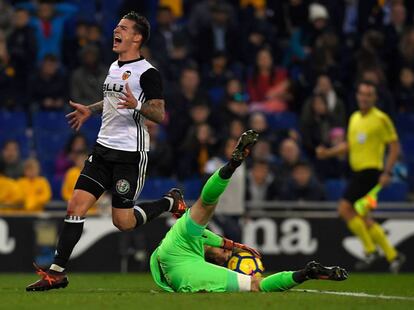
(244, 145)
(49, 280)
(368, 262)
(179, 206)
(396, 264)
(314, 270)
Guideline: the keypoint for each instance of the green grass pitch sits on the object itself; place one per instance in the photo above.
(137, 291)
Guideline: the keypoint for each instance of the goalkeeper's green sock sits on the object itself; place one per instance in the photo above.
(281, 281)
(213, 188)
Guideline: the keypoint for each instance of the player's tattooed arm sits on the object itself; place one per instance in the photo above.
(154, 110)
(96, 107)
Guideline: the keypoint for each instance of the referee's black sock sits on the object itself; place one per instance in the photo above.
(69, 236)
(147, 211)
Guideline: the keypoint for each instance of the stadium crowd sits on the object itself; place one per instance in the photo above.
(286, 69)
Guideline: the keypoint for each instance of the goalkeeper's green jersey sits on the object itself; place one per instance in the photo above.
(178, 263)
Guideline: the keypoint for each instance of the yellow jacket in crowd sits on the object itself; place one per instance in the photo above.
(36, 191)
(69, 182)
(10, 193)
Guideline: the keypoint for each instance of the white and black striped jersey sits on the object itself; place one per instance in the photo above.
(124, 129)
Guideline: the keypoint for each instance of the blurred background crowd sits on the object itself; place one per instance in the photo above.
(286, 68)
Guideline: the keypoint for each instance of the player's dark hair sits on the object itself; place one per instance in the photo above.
(141, 25)
(369, 83)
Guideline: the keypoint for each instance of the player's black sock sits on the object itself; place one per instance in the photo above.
(69, 236)
(300, 276)
(228, 169)
(147, 211)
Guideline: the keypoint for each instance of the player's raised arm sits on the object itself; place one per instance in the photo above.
(82, 113)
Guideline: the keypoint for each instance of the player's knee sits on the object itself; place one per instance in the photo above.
(123, 225)
(75, 206)
(345, 210)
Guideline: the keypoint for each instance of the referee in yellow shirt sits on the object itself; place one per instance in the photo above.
(370, 131)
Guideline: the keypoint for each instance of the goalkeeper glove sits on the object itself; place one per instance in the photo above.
(231, 245)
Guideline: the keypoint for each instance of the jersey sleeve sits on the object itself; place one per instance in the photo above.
(212, 239)
(389, 132)
(151, 84)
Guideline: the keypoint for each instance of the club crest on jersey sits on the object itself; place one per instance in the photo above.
(126, 75)
(122, 186)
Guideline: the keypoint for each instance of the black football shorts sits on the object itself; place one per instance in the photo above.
(360, 184)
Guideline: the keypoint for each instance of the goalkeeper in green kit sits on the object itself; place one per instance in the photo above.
(179, 263)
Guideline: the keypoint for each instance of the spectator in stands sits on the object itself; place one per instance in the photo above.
(262, 151)
(71, 176)
(407, 48)
(303, 40)
(96, 38)
(72, 46)
(258, 122)
(404, 93)
(199, 146)
(302, 185)
(261, 184)
(49, 25)
(8, 82)
(218, 73)
(371, 53)
(394, 30)
(22, 47)
(235, 128)
(316, 124)
(164, 34)
(87, 80)
(10, 157)
(268, 85)
(160, 155)
(289, 154)
(335, 104)
(10, 194)
(35, 188)
(233, 86)
(219, 35)
(6, 17)
(66, 158)
(48, 86)
(180, 100)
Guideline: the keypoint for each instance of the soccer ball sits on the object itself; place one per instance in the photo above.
(246, 263)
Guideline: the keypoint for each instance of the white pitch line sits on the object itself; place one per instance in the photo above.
(354, 294)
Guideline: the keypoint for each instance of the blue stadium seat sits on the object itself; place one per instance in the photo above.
(407, 143)
(216, 95)
(48, 144)
(334, 189)
(394, 192)
(56, 185)
(154, 188)
(16, 121)
(91, 128)
(50, 121)
(405, 123)
(192, 188)
(284, 120)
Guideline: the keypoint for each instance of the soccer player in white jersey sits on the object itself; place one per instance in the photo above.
(132, 93)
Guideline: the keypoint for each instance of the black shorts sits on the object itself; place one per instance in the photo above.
(361, 183)
(120, 172)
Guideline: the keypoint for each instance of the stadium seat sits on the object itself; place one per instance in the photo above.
(405, 124)
(284, 120)
(394, 192)
(334, 189)
(192, 188)
(155, 188)
(91, 128)
(216, 95)
(48, 144)
(50, 121)
(56, 185)
(407, 143)
(12, 120)
(21, 138)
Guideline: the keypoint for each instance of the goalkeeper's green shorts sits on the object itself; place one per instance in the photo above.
(178, 264)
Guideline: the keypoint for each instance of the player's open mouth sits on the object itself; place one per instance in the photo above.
(117, 40)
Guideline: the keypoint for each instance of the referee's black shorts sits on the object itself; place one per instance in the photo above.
(361, 183)
(120, 172)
